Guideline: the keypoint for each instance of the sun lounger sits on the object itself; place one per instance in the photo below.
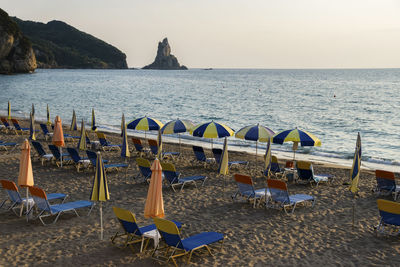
(19, 202)
(45, 131)
(386, 184)
(5, 146)
(154, 149)
(176, 246)
(74, 154)
(42, 155)
(46, 209)
(107, 167)
(144, 168)
(246, 190)
(217, 152)
(58, 157)
(132, 232)
(173, 177)
(275, 168)
(281, 199)
(389, 212)
(105, 145)
(201, 156)
(137, 143)
(305, 173)
(18, 127)
(7, 125)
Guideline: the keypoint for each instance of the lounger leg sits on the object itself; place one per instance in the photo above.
(204, 181)
(141, 245)
(190, 256)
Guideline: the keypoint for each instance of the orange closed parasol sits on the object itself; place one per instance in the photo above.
(25, 177)
(58, 136)
(154, 203)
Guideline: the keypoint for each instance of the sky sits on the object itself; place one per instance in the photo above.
(236, 33)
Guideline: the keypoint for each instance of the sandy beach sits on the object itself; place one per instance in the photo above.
(317, 236)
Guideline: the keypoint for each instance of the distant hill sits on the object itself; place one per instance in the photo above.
(59, 45)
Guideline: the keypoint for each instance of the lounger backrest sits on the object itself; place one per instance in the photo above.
(274, 164)
(102, 138)
(39, 148)
(44, 128)
(199, 153)
(169, 231)
(40, 198)
(144, 166)
(385, 180)
(5, 122)
(278, 190)
(244, 183)
(304, 170)
(153, 146)
(217, 152)
(12, 190)
(127, 220)
(389, 211)
(74, 154)
(169, 172)
(138, 144)
(16, 124)
(92, 157)
(54, 150)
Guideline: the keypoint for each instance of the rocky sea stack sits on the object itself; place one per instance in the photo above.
(164, 59)
(16, 54)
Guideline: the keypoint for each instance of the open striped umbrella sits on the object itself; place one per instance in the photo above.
(211, 130)
(296, 136)
(177, 126)
(256, 133)
(125, 148)
(100, 188)
(73, 127)
(145, 124)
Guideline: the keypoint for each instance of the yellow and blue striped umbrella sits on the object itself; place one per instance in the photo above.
(73, 127)
(211, 130)
(94, 127)
(9, 110)
(125, 148)
(82, 139)
(145, 124)
(100, 188)
(48, 115)
(177, 126)
(355, 169)
(32, 128)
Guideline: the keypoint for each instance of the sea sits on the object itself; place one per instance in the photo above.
(332, 104)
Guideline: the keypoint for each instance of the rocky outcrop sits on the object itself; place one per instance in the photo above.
(16, 54)
(164, 59)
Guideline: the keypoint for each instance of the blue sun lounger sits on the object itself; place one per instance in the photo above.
(201, 156)
(389, 212)
(108, 167)
(154, 149)
(173, 177)
(16, 200)
(132, 232)
(246, 189)
(305, 173)
(77, 158)
(105, 145)
(19, 128)
(176, 246)
(217, 152)
(5, 145)
(42, 155)
(386, 184)
(144, 168)
(281, 199)
(46, 209)
(137, 143)
(56, 153)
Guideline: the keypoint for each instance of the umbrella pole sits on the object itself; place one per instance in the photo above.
(179, 136)
(256, 155)
(61, 157)
(354, 210)
(101, 221)
(27, 204)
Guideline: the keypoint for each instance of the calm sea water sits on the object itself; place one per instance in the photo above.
(332, 104)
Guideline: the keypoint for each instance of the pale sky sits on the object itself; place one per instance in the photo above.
(236, 33)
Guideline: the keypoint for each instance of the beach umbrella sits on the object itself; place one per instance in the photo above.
(296, 136)
(145, 124)
(154, 206)
(159, 143)
(211, 130)
(58, 136)
(355, 173)
(125, 148)
(82, 139)
(25, 176)
(73, 127)
(94, 127)
(33, 110)
(268, 157)
(256, 133)
(177, 126)
(48, 115)
(9, 110)
(100, 188)
(32, 127)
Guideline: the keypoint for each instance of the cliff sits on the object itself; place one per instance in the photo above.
(164, 59)
(16, 54)
(59, 45)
